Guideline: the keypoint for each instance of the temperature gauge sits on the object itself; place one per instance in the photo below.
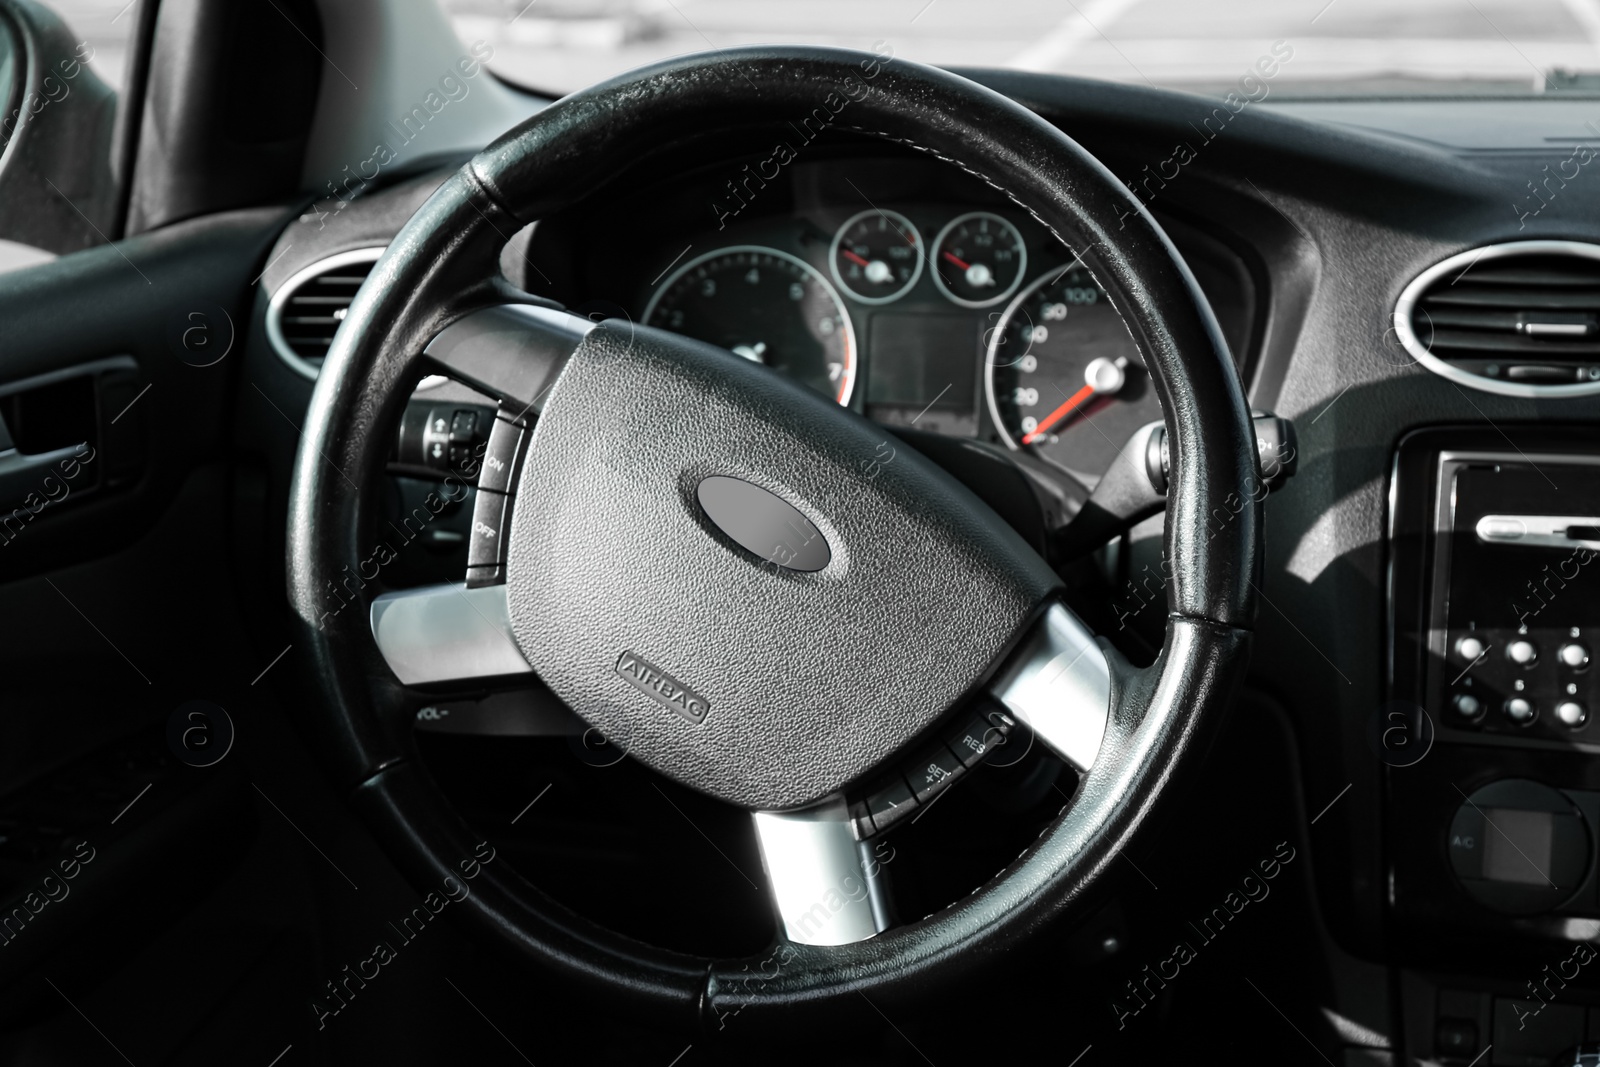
(877, 256)
(979, 259)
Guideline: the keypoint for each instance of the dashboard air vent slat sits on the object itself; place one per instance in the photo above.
(1519, 319)
(307, 309)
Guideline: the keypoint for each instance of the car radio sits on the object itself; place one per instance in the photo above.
(1515, 595)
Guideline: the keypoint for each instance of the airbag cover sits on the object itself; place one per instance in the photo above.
(762, 684)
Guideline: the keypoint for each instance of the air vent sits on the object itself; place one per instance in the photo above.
(1519, 319)
(307, 309)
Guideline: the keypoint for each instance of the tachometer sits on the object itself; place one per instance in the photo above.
(767, 306)
(876, 256)
(1064, 378)
(979, 259)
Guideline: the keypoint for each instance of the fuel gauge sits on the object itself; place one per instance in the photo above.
(979, 259)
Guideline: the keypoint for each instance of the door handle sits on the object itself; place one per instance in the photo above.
(23, 475)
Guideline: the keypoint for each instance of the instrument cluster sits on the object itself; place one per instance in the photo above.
(989, 329)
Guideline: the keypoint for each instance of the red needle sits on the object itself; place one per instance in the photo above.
(852, 257)
(952, 257)
(1058, 414)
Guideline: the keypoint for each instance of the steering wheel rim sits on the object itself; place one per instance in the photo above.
(443, 266)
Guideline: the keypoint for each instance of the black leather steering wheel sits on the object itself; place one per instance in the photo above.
(659, 615)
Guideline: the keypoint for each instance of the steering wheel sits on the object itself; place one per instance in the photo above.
(717, 579)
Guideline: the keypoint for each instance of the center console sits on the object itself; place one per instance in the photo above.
(1494, 587)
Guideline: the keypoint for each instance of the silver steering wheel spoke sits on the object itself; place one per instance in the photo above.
(441, 634)
(1058, 683)
(823, 878)
(823, 881)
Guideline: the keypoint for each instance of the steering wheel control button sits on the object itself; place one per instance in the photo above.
(974, 739)
(931, 769)
(1468, 706)
(1469, 648)
(1572, 714)
(1522, 653)
(890, 804)
(487, 545)
(1574, 655)
(762, 523)
(498, 472)
(1521, 711)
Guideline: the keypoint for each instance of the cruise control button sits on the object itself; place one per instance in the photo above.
(487, 545)
(1571, 713)
(1522, 653)
(498, 472)
(974, 739)
(891, 804)
(931, 769)
(1574, 655)
(1520, 711)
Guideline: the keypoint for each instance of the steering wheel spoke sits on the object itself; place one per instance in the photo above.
(1058, 684)
(824, 882)
(513, 352)
(436, 635)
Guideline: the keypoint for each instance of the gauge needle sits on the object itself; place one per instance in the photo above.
(957, 260)
(1073, 402)
(852, 257)
(1102, 376)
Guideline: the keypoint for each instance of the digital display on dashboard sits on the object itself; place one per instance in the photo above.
(922, 360)
(1516, 845)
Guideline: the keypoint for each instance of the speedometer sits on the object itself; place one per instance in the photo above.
(767, 306)
(1064, 379)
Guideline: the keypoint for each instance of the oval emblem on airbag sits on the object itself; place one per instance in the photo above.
(763, 524)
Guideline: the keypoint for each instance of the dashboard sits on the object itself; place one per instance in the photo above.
(904, 290)
(927, 301)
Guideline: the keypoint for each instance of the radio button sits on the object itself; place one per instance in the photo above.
(1468, 706)
(1572, 713)
(1469, 648)
(1574, 655)
(1520, 711)
(1522, 653)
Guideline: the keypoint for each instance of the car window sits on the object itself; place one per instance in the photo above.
(1303, 48)
(67, 93)
(103, 29)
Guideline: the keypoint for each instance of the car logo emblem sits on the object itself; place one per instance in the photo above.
(763, 524)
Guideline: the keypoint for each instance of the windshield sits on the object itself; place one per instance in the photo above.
(1312, 48)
